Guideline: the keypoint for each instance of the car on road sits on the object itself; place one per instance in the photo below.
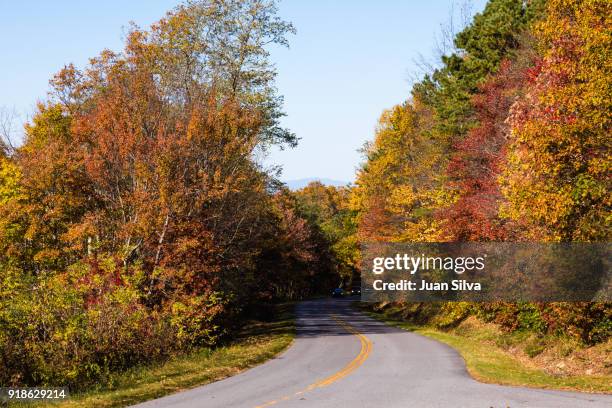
(338, 292)
(356, 291)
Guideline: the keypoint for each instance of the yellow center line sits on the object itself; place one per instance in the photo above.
(366, 348)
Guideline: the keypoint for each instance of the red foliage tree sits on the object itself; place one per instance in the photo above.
(477, 160)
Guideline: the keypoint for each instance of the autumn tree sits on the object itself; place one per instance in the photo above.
(132, 146)
(397, 188)
(478, 160)
(557, 178)
(480, 47)
(508, 140)
(328, 208)
(405, 186)
(134, 219)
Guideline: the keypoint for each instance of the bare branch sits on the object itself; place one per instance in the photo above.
(8, 129)
(444, 40)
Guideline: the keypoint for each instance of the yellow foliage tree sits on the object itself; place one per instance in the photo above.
(557, 179)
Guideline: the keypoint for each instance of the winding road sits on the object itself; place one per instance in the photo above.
(342, 358)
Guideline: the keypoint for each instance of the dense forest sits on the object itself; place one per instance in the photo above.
(508, 140)
(136, 223)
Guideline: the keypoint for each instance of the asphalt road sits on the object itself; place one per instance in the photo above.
(342, 358)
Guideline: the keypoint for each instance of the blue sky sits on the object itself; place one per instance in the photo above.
(348, 62)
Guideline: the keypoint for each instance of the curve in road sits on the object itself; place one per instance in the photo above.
(342, 358)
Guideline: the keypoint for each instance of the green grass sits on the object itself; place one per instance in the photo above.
(257, 343)
(489, 363)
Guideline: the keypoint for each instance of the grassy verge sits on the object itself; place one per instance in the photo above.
(488, 358)
(258, 342)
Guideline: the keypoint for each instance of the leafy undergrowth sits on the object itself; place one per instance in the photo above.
(519, 358)
(258, 342)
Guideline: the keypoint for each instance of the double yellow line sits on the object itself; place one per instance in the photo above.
(366, 348)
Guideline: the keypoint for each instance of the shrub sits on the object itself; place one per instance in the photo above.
(453, 313)
(203, 320)
(70, 329)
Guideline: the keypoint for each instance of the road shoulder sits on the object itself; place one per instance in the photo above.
(488, 363)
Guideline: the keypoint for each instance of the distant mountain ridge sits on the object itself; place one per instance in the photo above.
(301, 183)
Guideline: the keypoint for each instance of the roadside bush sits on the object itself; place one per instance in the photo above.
(203, 320)
(74, 329)
(587, 322)
(440, 314)
(513, 316)
(453, 313)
